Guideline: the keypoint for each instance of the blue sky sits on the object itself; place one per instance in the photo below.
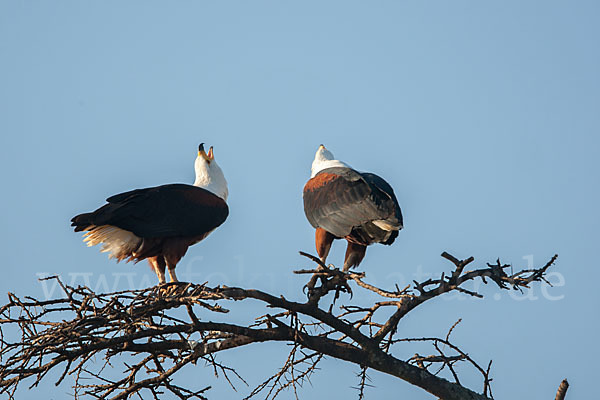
(482, 115)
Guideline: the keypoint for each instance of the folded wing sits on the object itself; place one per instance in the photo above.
(162, 211)
(359, 206)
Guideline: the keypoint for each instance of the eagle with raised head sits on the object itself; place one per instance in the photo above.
(160, 223)
(340, 202)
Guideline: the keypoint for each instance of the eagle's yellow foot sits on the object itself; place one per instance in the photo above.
(172, 288)
(341, 285)
(333, 280)
(309, 288)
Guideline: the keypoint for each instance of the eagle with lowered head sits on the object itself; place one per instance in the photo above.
(340, 202)
(160, 223)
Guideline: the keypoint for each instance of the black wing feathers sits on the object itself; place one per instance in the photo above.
(162, 211)
(385, 190)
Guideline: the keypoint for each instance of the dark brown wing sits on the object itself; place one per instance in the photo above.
(345, 203)
(379, 184)
(162, 211)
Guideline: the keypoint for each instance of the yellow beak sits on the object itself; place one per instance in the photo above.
(201, 153)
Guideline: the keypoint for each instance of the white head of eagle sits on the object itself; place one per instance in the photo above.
(160, 223)
(324, 159)
(341, 202)
(208, 173)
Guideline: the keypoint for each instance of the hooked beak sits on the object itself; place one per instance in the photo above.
(201, 153)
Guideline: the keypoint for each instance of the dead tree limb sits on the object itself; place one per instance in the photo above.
(562, 390)
(158, 326)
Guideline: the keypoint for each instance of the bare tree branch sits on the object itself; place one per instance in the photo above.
(162, 329)
(562, 390)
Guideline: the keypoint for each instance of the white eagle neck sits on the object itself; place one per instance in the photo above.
(209, 176)
(324, 159)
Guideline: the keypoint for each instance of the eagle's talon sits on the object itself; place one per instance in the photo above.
(310, 286)
(168, 289)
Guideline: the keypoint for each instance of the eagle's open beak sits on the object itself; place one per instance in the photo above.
(201, 153)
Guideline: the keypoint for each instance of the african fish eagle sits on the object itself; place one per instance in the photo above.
(341, 202)
(160, 223)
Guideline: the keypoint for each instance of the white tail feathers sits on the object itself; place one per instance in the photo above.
(386, 225)
(118, 242)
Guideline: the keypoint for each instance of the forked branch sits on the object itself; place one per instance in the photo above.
(70, 332)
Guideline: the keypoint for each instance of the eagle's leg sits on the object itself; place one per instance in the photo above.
(158, 265)
(174, 251)
(354, 255)
(172, 276)
(323, 241)
(171, 260)
(171, 264)
(172, 257)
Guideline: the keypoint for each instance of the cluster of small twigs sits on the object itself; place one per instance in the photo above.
(444, 360)
(297, 369)
(156, 326)
(407, 298)
(70, 332)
